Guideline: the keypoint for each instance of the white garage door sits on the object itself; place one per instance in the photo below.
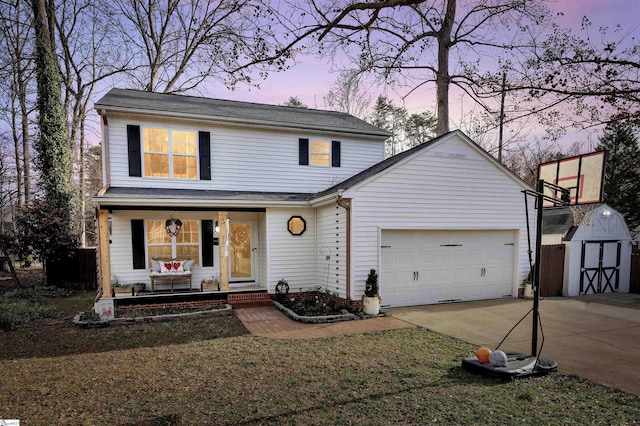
(423, 267)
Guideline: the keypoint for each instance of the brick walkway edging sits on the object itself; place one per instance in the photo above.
(315, 319)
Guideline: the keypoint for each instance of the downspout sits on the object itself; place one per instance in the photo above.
(347, 207)
(106, 161)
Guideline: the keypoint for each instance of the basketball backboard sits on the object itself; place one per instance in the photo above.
(583, 175)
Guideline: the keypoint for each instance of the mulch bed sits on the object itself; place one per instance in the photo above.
(316, 304)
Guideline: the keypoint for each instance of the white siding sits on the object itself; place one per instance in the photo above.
(244, 159)
(121, 250)
(331, 242)
(291, 257)
(448, 186)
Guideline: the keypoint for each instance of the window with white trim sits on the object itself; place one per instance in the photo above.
(186, 245)
(320, 154)
(170, 153)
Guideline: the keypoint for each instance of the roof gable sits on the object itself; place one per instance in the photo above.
(128, 100)
(392, 162)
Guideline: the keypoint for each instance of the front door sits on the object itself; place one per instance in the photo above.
(240, 252)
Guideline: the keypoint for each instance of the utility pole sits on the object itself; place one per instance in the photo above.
(504, 82)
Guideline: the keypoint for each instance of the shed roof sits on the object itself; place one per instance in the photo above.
(557, 221)
(219, 110)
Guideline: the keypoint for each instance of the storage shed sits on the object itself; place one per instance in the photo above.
(597, 248)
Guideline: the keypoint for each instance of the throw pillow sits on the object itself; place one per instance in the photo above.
(166, 266)
(188, 264)
(155, 265)
(177, 265)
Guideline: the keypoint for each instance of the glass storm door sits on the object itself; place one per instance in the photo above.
(240, 252)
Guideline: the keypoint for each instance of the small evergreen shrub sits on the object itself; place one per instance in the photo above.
(371, 285)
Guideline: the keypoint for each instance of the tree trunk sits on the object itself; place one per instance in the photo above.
(442, 77)
(26, 155)
(16, 149)
(83, 200)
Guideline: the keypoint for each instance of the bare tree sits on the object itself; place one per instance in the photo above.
(413, 41)
(565, 79)
(184, 43)
(524, 158)
(17, 69)
(349, 95)
(89, 53)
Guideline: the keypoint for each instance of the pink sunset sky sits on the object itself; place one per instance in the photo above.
(312, 77)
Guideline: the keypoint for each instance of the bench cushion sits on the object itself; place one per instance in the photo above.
(170, 274)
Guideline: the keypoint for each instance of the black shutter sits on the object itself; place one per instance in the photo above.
(303, 152)
(204, 146)
(207, 242)
(335, 154)
(133, 145)
(137, 242)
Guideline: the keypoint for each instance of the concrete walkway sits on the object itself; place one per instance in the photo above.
(270, 322)
(597, 338)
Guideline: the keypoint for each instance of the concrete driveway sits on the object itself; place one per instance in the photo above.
(596, 337)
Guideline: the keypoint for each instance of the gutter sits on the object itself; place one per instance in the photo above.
(347, 207)
(183, 203)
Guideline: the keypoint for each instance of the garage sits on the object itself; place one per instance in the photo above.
(438, 266)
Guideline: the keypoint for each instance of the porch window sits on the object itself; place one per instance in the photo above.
(170, 153)
(321, 153)
(186, 245)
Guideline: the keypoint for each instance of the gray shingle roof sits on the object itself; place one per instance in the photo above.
(122, 193)
(557, 221)
(237, 112)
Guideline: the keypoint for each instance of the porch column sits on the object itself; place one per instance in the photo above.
(104, 253)
(224, 259)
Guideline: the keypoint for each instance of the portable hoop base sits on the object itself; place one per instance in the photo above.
(518, 365)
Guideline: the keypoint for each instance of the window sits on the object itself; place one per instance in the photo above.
(170, 153)
(186, 245)
(321, 153)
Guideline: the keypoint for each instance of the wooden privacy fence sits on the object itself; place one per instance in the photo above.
(552, 270)
(75, 272)
(634, 283)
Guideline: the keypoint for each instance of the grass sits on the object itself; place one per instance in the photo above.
(210, 371)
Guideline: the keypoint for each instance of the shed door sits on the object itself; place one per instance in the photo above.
(424, 267)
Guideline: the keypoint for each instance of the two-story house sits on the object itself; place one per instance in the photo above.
(252, 194)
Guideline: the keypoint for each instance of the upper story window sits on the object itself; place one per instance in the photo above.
(170, 153)
(320, 153)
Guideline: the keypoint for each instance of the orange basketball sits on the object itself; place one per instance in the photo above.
(483, 355)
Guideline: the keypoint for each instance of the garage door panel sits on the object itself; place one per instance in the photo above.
(422, 267)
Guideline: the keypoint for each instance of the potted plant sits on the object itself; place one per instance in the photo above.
(211, 284)
(122, 288)
(371, 298)
(138, 287)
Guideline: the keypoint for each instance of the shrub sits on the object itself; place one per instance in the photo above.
(22, 311)
(371, 285)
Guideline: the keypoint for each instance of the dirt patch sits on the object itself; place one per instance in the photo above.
(28, 278)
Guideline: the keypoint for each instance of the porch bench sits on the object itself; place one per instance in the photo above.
(169, 276)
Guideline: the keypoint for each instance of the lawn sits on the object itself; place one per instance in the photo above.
(210, 371)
